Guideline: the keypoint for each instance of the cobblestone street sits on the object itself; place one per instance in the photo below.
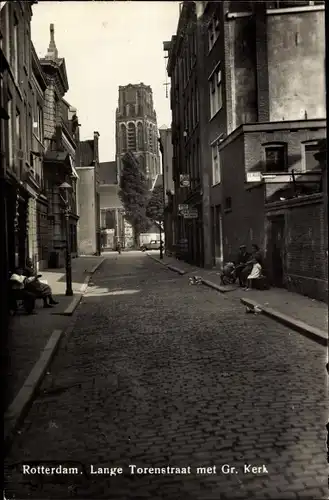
(155, 373)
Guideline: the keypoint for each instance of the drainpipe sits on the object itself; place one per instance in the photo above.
(205, 178)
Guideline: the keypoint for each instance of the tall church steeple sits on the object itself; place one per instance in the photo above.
(52, 52)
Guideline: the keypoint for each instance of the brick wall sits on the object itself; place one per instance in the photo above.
(305, 263)
(244, 223)
(244, 68)
(255, 154)
(296, 54)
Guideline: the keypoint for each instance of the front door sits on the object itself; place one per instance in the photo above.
(278, 250)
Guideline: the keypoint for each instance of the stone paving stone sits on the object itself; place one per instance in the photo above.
(28, 335)
(151, 376)
(302, 308)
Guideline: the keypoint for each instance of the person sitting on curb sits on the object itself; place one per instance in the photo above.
(18, 291)
(241, 261)
(256, 272)
(35, 286)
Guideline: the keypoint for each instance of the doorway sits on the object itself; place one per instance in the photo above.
(278, 250)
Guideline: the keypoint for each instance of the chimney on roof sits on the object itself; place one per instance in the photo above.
(52, 52)
(96, 148)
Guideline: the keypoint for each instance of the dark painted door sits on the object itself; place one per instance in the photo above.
(278, 250)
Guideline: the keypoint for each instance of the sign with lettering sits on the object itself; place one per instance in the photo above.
(192, 213)
(184, 180)
(254, 176)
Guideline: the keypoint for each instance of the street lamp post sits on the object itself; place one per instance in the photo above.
(65, 187)
(161, 245)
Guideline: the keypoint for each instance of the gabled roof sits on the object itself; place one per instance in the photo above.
(108, 173)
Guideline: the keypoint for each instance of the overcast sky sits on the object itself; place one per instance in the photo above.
(106, 44)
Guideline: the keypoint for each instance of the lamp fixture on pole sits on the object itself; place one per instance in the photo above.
(66, 188)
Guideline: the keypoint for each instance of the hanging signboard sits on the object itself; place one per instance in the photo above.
(184, 180)
(191, 213)
(182, 207)
(254, 176)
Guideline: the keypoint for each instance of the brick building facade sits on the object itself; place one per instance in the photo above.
(22, 187)
(166, 149)
(183, 69)
(262, 62)
(61, 137)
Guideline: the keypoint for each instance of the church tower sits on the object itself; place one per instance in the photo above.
(136, 128)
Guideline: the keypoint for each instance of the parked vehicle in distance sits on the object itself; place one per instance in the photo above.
(152, 245)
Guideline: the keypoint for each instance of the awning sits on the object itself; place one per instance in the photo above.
(57, 157)
(61, 157)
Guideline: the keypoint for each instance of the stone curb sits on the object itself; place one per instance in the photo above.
(169, 266)
(219, 288)
(19, 407)
(176, 269)
(311, 332)
(156, 260)
(77, 298)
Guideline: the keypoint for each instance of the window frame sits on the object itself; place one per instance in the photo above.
(15, 52)
(131, 136)
(312, 143)
(215, 91)
(40, 121)
(18, 130)
(216, 166)
(10, 122)
(228, 204)
(282, 146)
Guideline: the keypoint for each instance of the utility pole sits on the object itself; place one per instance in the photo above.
(201, 28)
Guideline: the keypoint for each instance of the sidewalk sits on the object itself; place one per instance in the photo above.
(306, 315)
(28, 335)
